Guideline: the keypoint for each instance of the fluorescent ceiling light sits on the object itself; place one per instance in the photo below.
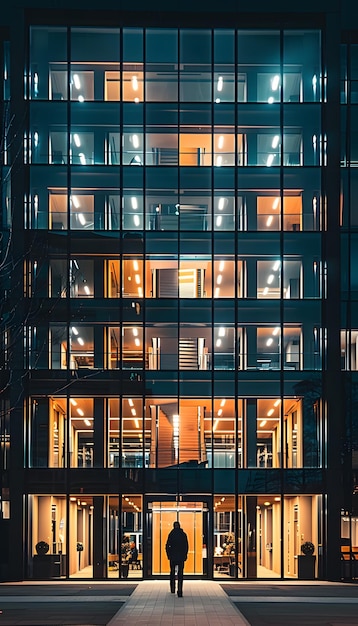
(270, 159)
(219, 279)
(269, 342)
(263, 423)
(135, 83)
(135, 332)
(220, 83)
(276, 266)
(82, 158)
(277, 402)
(136, 220)
(134, 412)
(221, 142)
(221, 332)
(269, 220)
(87, 422)
(80, 412)
(217, 291)
(81, 98)
(80, 341)
(74, 330)
(219, 220)
(265, 291)
(269, 413)
(276, 331)
(135, 141)
(275, 203)
(137, 279)
(130, 402)
(275, 81)
(270, 279)
(271, 100)
(81, 219)
(73, 402)
(221, 266)
(87, 290)
(134, 202)
(76, 202)
(221, 204)
(77, 140)
(275, 141)
(135, 265)
(137, 341)
(218, 343)
(76, 81)
(219, 161)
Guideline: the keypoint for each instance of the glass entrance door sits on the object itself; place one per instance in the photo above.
(193, 518)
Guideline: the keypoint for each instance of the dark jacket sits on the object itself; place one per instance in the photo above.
(177, 545)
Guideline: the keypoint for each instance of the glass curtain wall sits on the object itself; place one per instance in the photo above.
(194, 156)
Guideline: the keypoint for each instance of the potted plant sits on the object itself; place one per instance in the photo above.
(307, 548)
(45, 565)
(307, 561)
(42, 547)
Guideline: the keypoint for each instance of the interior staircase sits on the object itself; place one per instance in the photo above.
(188, 354)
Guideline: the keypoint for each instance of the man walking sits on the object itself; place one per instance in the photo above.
(177, 552)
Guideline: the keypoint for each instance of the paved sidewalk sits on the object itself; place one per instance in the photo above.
(203, 603)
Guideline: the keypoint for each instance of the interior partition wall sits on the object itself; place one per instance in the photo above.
(174, 298)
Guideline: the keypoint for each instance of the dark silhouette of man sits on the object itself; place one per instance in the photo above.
(177, 552)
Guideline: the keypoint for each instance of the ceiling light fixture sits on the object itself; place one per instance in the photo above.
(76, 202)
(76, 81)
(275, 81)
(275, 203)
(275, 141)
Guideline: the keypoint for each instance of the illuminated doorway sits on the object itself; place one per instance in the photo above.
(193, 518)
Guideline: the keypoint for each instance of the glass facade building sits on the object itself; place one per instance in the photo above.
(178, 283)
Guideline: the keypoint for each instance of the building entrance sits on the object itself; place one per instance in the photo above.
(193, 518)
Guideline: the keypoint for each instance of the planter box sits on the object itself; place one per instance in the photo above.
(46, 566)
(306, 566)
